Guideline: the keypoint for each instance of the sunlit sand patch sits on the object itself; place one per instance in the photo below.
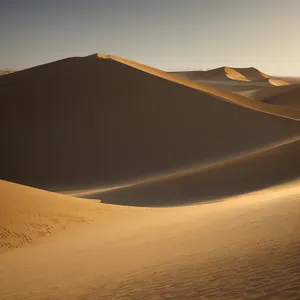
(234, 75)
(277, 82)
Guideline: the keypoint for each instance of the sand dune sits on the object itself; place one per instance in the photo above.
(251, 73)
(28, 215)
(218, 180)
(94, 121)
(290, 99)
(203, 87)
(223, 73)
(232, 79)
(262, 94)
(288, 79)
(147, 138)
(277, 82)
(246, 247)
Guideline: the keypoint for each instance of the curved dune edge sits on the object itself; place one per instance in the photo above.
(28, 215)
(238, 175)
(290, 99)
(238, 74)
(234, 75)
(179, 173)
(263, 94)
(105, 122)
(236, 99)
(249, 244)
(251, 73)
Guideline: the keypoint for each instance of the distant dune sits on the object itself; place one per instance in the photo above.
(288, 79)
(96, 121)
(233, 79)
(262, 94)
(251, 73)
(290, 99)
(243, 74)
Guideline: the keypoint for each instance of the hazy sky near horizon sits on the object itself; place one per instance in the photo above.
(168, 34)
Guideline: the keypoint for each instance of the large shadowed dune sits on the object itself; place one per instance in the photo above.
(236, 176)
(91, 121)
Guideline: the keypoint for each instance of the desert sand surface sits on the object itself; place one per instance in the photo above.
(290, 99)
(27, 214)
(122, 181)
(245, 247)
(288, 79)
(76, 114)
(218, 180)
(238, 74)
(232, 79)
(262, 94)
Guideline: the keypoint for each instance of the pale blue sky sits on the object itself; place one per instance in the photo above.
(168, 34)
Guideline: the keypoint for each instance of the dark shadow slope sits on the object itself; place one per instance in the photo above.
(91, 121)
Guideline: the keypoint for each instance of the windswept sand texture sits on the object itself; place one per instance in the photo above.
(169, 188)
(246, 247)
(27, 214)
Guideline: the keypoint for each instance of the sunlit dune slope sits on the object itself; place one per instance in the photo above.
(251, 73)
(242, 74)
(290, 99)
(277, 82)
(235, 176)
(242, 248)
(232, 79)
(91, 121)
(29, 216)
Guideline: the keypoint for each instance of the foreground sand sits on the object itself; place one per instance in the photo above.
(247, 247)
